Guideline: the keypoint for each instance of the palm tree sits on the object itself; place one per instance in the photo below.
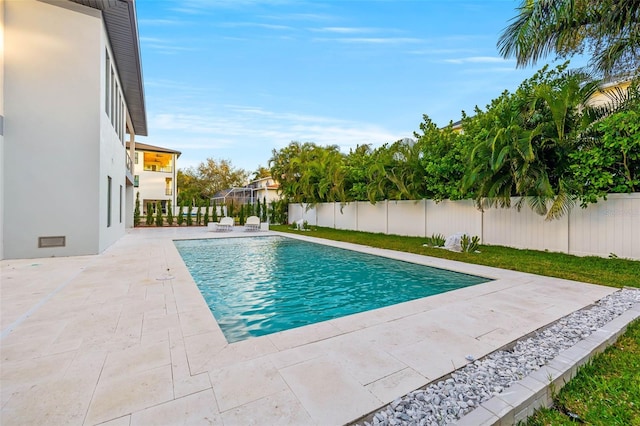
(610, 29)
(525, 149)
(502, 154)
(396, 172)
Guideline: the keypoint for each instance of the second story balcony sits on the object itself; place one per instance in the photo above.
(157, 168)
(158, 162)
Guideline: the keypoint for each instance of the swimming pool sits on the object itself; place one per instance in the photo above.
(261, 285)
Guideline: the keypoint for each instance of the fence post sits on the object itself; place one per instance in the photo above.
(334, 215)
(386, 215)
(424, 201)
(356, 203)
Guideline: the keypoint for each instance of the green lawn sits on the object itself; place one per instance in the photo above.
(596, 270)
(607, 390)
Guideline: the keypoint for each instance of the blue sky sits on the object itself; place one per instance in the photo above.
(235, 79)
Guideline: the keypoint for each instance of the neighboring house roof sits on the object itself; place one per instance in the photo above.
(146, 147)
(255, 182)
(261, 179)
(122, 29)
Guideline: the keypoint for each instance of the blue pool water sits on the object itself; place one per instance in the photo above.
(261, 285)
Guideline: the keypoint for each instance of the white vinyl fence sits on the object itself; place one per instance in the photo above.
(607, 227)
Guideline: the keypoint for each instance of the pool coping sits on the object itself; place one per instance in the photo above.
(163, 335)
(420, 261)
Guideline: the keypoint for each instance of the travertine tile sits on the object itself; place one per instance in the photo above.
(126, 394)
(136, 359)
(281, 409)
(115, 340)
(197, 321)
(365, 363)
(201, 348)
(327, 392)
(61, 399)
(245, 382)
(183, 382)
(241, 351)
(397, 384)
(303, 335)
(120, 421)
(195, 409)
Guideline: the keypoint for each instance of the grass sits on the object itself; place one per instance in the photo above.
(595, 270)
(606, 391)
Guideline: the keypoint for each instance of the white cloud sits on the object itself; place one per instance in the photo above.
(160, 22)
(438, 51)
(192, 7)
(489, 70)
(372, 40)
(316, 17)
(245, 126)
(254, 25)
(165, 46)
(344, 30)
(477, 60)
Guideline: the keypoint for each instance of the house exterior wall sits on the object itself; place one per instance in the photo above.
(607, 91)
(265, 188)
(268, 194)
(60, 146)
(1, 129)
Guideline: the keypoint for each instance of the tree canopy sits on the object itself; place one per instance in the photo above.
(608, 30)
(542, 143)
(209, 177)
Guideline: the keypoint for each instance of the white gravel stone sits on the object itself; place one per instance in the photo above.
(448, 400)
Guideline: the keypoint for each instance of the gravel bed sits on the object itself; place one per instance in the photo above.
(448, 400)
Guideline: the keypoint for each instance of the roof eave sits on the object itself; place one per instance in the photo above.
(122, 30)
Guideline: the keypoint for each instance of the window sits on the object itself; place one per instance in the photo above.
(120, 203)
(107, 81)
(114, 89)
(114, 104)
(136, 157)
(168, 187)
(121, 126)
(116, 124)
(136, 181)
(108, 201)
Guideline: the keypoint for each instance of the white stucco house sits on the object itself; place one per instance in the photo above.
(265, 188)
(72, 96)
(155, 176)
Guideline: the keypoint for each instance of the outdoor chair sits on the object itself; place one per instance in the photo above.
(252, 223)
(225, 224)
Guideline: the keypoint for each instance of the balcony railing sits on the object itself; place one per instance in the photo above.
(155, 168)
(129, 162)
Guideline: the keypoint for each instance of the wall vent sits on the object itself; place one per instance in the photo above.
(46, 242)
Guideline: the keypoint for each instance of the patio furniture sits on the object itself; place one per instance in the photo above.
(252, 223)
(225, 224)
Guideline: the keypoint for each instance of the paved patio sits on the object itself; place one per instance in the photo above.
(125, 338)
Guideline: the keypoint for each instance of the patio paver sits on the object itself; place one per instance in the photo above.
(125, 338)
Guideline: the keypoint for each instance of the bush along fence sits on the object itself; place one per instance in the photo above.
(203, 212)
(608, 228)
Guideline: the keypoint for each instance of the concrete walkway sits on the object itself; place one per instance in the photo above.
(125, 338)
